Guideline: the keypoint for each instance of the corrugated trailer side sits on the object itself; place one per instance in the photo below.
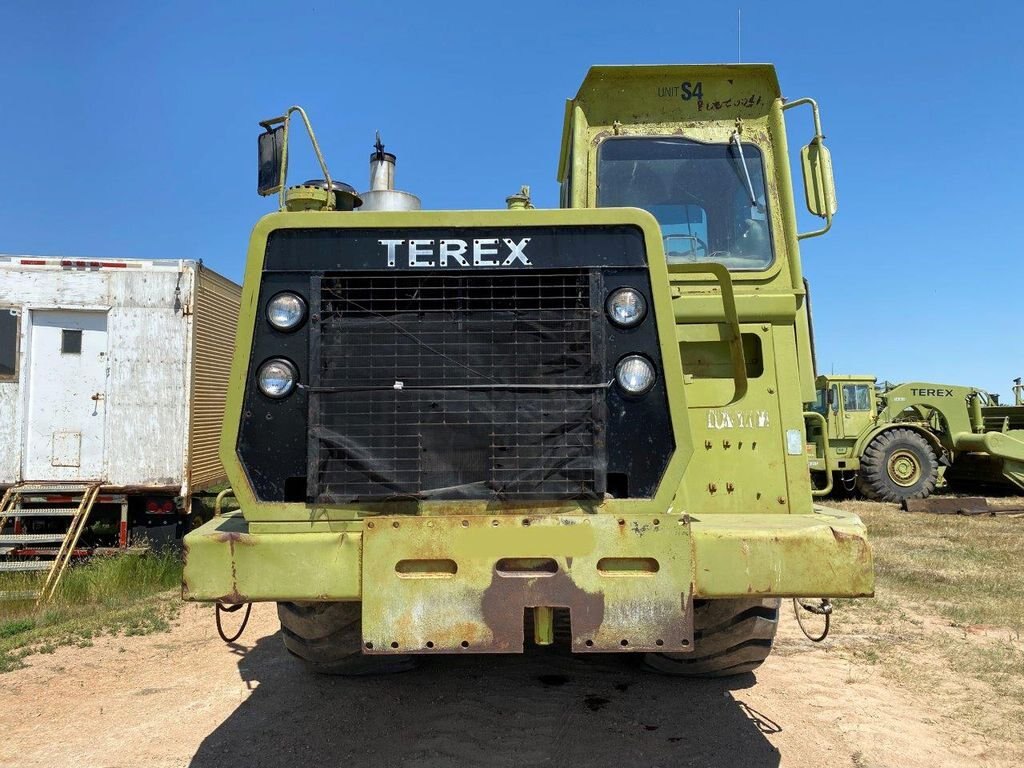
(214, 322)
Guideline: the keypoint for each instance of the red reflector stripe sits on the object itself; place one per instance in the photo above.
(34, 262)
(76, 263)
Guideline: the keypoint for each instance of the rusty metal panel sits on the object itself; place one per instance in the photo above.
(461, 584)
(824, 554)
(215, 319)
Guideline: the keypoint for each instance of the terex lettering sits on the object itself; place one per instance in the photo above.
(481, 252)
(932, 392)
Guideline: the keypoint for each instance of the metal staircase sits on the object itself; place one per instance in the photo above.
(21, 551)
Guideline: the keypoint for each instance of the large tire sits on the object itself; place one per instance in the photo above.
(730, 637)
(898, 464)
(328, 639)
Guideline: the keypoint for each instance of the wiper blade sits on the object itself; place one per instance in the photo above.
(735, 139)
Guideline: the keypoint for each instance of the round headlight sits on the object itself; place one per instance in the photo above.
(286, 311)
(277, 378)
(626, 307)
(635, 374)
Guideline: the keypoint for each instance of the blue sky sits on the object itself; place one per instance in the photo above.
(130, 133)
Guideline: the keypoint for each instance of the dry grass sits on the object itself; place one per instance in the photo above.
(967, 569)
(948, 614)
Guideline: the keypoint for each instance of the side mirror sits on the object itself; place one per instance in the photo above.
(819, 184)
(831, 397)
(271, 159)
(816, 163)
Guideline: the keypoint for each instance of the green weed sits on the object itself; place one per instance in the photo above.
(107, 595)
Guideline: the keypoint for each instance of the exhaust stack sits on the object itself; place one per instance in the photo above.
(382, 195)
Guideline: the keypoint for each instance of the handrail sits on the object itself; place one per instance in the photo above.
(732, 318)
(220, 498)
(8, 494)
(826, 447)
(67, 547)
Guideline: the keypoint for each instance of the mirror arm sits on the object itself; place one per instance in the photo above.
(286, 119)
(818, 139)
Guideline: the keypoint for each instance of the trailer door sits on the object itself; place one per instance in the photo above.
(66, 393)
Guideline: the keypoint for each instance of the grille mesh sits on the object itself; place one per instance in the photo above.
(457, 386)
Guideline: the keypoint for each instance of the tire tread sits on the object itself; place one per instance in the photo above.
(730, 637)
(873, 479)
(327, 638)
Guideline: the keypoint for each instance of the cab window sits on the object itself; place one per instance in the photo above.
(820, 403)
(856, 397)
(708, 198)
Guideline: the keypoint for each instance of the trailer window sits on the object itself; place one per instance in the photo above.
(70, 342)
(856, 397)
(697, 192)
(9, 335)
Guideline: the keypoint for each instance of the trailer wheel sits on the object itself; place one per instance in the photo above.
(730, 637)
(328, 639)
(898, 464)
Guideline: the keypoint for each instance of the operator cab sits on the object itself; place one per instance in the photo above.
(848, 403)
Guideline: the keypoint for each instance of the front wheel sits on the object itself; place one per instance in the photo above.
(328, 639)
(898, 464)
(730, 637)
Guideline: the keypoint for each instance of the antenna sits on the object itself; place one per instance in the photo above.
(739, 35)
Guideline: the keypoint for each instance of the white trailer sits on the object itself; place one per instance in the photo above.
(114, 373)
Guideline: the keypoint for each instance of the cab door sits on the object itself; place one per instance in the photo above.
(856, 411)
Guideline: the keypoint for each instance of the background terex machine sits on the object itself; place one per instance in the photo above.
(900, 441)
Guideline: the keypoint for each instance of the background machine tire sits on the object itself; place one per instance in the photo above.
(730, 637)
(898, 464)
(328, 639)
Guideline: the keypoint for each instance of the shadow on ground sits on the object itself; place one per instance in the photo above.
(546, 707)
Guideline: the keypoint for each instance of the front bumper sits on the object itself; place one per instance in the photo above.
(463, 582)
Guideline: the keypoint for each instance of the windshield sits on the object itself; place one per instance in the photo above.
(698, 193)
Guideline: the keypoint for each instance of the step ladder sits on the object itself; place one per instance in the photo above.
(20, 551)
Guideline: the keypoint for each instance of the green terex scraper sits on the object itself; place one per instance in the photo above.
(900, 442)
(446, 426)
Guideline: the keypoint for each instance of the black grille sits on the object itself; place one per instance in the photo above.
(457, 386)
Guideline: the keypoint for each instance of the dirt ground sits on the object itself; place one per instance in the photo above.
(184, 698)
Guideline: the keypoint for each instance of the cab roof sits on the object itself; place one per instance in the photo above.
(600, 76)
(839, 377)
(644, 94)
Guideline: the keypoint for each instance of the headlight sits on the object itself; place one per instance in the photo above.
(635, 374)
(286, 311)
(277, 378)
(626, 307)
